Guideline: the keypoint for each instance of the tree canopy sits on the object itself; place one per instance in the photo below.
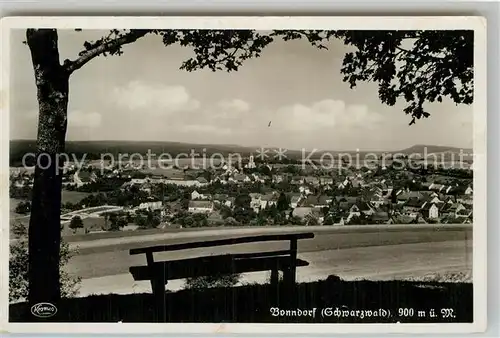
(412, 66)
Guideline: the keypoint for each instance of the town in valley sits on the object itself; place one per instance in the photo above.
(255, 191)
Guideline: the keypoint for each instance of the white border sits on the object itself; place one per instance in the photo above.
(478, 24)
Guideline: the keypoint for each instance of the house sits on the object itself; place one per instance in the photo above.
(354, 211)
(221, 180)
(202, 180)
(464, 199)
(146, 187)
(19, 183)
(412, 205)
(255, 201)
(200, 207)
(294, 200)
(156, 179)
(456, 207)
(230, 169)
(451, 189)
(218, 198)
(324, 201)
(258, 178)
(278, 178)
(325, 180)
(464, 213)
(318, 214)
(296, 180)
(229, 202)
(437, 187)
(356, 182)
(138, 181)
(404, 197)
(426, 185)
(434, 199)
(451, 210)
(268, 200)
(311, 180)
(195, 195)
(223, 199)
(239, 178)
(302, 212)
(408, 213)
(304, 189)
(349, 199)
(430, 210)
(319, 201)
(81, 178)
(343, 184)
(154, 205)
(175, 175)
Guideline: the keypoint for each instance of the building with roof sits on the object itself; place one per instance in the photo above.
(200, 206)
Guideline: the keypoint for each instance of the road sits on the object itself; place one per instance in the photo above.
(350, 252)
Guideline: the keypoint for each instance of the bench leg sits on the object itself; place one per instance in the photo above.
(158, 287)
(289, 287)
(289, 275)
(274, 277)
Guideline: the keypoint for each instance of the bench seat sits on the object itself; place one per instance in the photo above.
(212, 265)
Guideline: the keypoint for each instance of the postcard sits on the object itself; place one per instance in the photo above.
(243, 174)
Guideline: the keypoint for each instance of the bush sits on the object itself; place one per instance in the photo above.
(18, 267)
(221, 280)
(76, 223)
(23, 207)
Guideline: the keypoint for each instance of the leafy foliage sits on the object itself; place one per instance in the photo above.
(76, 222)
(18, 267)
(23, 207)
(415, 66)
(310, 219)
(215, 281)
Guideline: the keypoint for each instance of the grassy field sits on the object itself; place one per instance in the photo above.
(73, 196)
(67, 196)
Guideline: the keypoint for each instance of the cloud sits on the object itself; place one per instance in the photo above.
(234, 105)
(154, 98)
(79, 119)
(206, 128)
(325, 114)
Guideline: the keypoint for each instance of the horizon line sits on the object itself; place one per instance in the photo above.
(249, 146)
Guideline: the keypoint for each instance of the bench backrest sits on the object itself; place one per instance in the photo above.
(293, 238)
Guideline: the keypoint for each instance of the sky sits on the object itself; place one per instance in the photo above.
(144, 96)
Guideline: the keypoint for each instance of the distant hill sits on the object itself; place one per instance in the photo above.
(94, 149)
(430, 149)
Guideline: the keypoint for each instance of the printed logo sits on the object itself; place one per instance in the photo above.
(43, 310)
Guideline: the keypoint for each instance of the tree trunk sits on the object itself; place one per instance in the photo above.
(44, 235)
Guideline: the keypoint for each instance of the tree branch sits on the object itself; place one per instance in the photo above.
(130, 37)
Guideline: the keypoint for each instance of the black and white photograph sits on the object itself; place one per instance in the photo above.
(248, 171)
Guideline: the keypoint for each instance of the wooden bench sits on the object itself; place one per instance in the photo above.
(160, 272)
